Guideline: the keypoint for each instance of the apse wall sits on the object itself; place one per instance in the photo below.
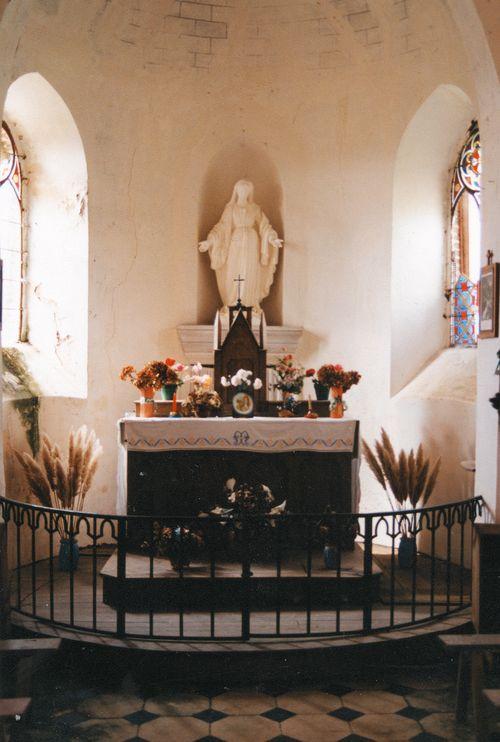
(152, 129)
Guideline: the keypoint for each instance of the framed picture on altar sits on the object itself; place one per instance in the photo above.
(488, 301)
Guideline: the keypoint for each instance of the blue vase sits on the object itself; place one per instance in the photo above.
(407, 552)
(330, 556)
(69, 554)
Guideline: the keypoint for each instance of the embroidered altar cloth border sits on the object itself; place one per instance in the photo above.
(259, 434)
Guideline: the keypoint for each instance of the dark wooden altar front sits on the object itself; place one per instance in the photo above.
(176, 481)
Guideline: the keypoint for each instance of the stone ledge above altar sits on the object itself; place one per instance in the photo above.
(198, 341)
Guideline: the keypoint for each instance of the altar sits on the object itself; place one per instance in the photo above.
(179, 466)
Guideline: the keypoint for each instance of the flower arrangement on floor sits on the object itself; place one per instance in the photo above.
(63, 485)
(202, 401)
(410, 478)
(290, 375)
(336, 533)
(179, 543)
(338, 381)
(252, 500)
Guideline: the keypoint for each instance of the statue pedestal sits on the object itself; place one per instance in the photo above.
(198, 341)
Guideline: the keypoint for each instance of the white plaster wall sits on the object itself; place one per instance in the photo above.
(427, 153)
(329, 111)
(55, 236)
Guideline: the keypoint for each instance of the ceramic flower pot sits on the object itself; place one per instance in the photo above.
(407, 552)
(322, 391)
(69, 554)
(330, 556)
(336, 405)
(147, 408)
(168, 391)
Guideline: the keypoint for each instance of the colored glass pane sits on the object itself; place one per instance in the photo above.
(465, 312)
(467, 172)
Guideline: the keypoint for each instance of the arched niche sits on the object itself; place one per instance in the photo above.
(421, 214)
(233, 162)
(55, 236)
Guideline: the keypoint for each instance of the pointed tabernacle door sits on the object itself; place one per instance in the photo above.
(240, 349)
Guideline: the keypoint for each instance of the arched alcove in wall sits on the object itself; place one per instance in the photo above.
(55, 236)
(421, 214)
(235, 161)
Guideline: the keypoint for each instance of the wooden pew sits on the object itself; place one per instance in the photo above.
(11, 709)
(471, 650)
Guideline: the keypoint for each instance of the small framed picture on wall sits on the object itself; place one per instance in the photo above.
(488, 301)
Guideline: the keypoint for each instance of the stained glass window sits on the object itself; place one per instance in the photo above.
(11, 251)
(465, 241)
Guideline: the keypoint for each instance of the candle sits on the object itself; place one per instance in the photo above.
(174, 403)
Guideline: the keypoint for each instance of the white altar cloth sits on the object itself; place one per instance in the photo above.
(258, 434)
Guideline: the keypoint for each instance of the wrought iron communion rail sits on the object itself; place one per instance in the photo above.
(220, 577)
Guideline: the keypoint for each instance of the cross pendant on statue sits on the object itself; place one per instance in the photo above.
(239, 281)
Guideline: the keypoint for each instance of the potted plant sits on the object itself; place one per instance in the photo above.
(201, 400)
(60, 485)
(171, 378)
(242, 401)
(322, 390)
(337, 533)
(411, 479)
(338, 381)
(179, 543)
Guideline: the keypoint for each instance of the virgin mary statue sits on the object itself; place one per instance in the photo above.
(243, 245)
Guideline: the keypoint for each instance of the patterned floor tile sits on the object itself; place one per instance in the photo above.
(106, 730)
(210, 715)
(110, 705)
(410, 712)
(140, 717)
(241, 728)
(346, 714)
(243, 702)
(308, 702)
(432, 700)
(426, 737)
(314, 727)
(178, 704)
(178, 728)
(374, 701)
(278, 714)
(444, 725)
(385, 727)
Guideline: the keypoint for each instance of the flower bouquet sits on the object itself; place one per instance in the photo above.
(242, 400)
(201, 400)
(180, 544)
(290, 375)
(250, 517)
(148, 380)
(339, 381)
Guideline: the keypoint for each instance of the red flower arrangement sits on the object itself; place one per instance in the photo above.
(334, 376)
(155, 374)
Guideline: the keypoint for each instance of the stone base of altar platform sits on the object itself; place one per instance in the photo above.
(199, 589)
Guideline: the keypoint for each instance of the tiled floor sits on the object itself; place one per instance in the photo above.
(85, 700)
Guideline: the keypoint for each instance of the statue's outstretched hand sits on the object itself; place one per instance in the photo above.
(204, 246)
(277, 242)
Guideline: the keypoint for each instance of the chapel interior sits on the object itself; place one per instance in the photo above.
(250, 452)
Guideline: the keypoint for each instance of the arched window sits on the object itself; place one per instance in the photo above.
(465, 241)
(11, 238)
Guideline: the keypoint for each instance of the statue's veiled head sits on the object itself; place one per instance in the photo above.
(242, 192)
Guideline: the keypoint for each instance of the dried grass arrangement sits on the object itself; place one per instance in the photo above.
(410, 478)
(56, 484)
